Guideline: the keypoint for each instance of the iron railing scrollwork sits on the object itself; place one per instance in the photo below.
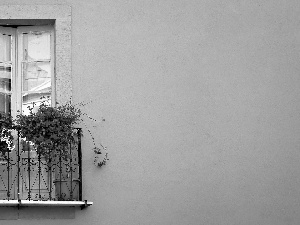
(26, 174)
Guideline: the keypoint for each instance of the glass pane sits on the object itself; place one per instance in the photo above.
(5, 88)
(36, 46)
(30, 99)
(5, 103)
(5, 77)
(37, 76)
(5, 48)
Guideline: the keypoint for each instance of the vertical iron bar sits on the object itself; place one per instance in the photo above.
(60, 172)
(71, 171)
(18, 157)
(80, 163)
(39, 171)
(50, 174)
(8, 170)
(28, 158)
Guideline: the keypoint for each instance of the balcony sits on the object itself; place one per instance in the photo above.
(29, 178)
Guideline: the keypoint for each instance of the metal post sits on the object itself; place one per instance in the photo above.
(18, 158)
(8, 172)
(71, 172)
(50, 174)
(80, 163)
(60, 172)
(39, 171)
(28, 158)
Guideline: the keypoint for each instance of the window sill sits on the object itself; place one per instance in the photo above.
(14, 203)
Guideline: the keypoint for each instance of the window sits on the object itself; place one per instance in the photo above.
(27, 75)
(26, 67)
(17, 90)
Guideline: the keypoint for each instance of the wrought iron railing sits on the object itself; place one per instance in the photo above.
(26, 174)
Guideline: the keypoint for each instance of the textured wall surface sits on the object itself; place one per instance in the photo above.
(201, 104)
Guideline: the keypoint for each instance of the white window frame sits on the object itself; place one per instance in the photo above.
(19, 60)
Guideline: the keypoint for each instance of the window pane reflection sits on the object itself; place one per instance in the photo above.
(37, 76)
(33, 100)
(5, 46)
(5, 103)
(5, 88)
(36, 46)
(5, 77)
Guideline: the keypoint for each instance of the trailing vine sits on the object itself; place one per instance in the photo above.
(101, 154)
(48, 129)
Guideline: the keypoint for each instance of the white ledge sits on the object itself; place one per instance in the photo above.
(19, 203)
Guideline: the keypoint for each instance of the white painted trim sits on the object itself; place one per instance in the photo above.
(9, 203)
(44, 203)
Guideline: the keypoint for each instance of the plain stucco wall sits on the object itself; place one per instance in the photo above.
(201, 103)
